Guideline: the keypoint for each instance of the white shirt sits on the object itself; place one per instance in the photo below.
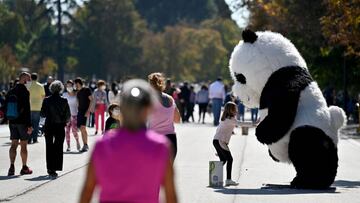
(224, 132)
(217, 90)
(73, 103)
(114, 99)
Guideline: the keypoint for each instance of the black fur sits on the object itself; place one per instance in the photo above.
(249, 36)
(273, 157)
(314, 156)
(240, 78)
(281, 96)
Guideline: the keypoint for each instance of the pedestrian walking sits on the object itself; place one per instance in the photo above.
(191, 104)
(114, 120)
(241, 112)
(217, 96)
(100, 105)
(202, 99)
(37, 95)
(132, 163)
(56, 111)
(254, 115)
(114, 94)
(184, 97)
(84, 97)
(222, 139)
(50, 79)
(165, 112)
(19, 115)
(70, 95)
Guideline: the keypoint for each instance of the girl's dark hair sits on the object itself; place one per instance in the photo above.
(229, 111)
(112, 107)
(113, 88)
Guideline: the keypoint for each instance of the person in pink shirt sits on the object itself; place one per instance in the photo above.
(133, 163)
(165, 112)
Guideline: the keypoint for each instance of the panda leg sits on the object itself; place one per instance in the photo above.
(314, 156)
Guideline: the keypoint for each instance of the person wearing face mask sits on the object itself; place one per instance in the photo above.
(70, 95)
(100, 105)
(114, 94)
(17, 108)
(114, 120)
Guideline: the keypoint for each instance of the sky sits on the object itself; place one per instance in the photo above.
(240, 16)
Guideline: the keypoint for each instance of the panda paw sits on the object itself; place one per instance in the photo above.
(262, 135)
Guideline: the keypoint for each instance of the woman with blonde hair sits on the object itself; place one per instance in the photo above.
(165, 112)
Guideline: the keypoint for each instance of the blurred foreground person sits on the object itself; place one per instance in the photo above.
(57, 113)
(131, 163)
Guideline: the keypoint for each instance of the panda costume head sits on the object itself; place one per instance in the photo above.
(296, 124)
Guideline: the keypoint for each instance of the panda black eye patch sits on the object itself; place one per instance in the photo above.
(240, 78)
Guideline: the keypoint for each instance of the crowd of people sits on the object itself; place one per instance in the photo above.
(134, 117)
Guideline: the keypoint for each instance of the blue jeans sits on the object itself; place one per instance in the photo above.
(216, 108)
(254, 114)
(35, 119)
(241, 112)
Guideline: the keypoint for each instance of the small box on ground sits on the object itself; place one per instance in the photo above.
(216, 174)
(245, 127)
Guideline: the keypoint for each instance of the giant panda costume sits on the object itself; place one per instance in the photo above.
(296, 124)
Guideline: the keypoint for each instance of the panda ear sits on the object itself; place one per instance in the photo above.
(249, 36)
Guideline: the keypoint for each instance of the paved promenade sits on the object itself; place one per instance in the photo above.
(252, 168)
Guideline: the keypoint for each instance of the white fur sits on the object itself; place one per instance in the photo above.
(257, 61)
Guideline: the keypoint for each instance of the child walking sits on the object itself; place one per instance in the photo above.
(132, 163)
(70, 95)
(222, 139)
(113, 122)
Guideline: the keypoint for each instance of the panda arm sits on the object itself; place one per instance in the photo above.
(281, 115)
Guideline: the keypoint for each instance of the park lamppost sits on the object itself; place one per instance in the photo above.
(60, 54)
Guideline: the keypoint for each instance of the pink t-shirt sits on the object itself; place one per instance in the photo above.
(130, 166)
(162, 118)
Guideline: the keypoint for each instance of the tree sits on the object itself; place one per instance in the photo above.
(185, 53)
(341, 24)
(162, 13)
(107, 39)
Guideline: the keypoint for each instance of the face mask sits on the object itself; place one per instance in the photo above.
(70, 89)
(28, 84)
(92, 85)
(116, 113)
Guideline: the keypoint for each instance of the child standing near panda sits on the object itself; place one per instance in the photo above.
(222, 139)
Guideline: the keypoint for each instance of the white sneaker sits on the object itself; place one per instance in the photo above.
(230, 182)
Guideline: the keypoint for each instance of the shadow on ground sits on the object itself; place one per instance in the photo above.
(346, 184)
(73, 152)
(286, 190)
(40, 178)
(8, 177)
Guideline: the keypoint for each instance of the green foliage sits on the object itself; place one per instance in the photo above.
(108, 39)
(162, 13)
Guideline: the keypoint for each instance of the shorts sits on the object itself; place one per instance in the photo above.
(81, 119)
(18, 132)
